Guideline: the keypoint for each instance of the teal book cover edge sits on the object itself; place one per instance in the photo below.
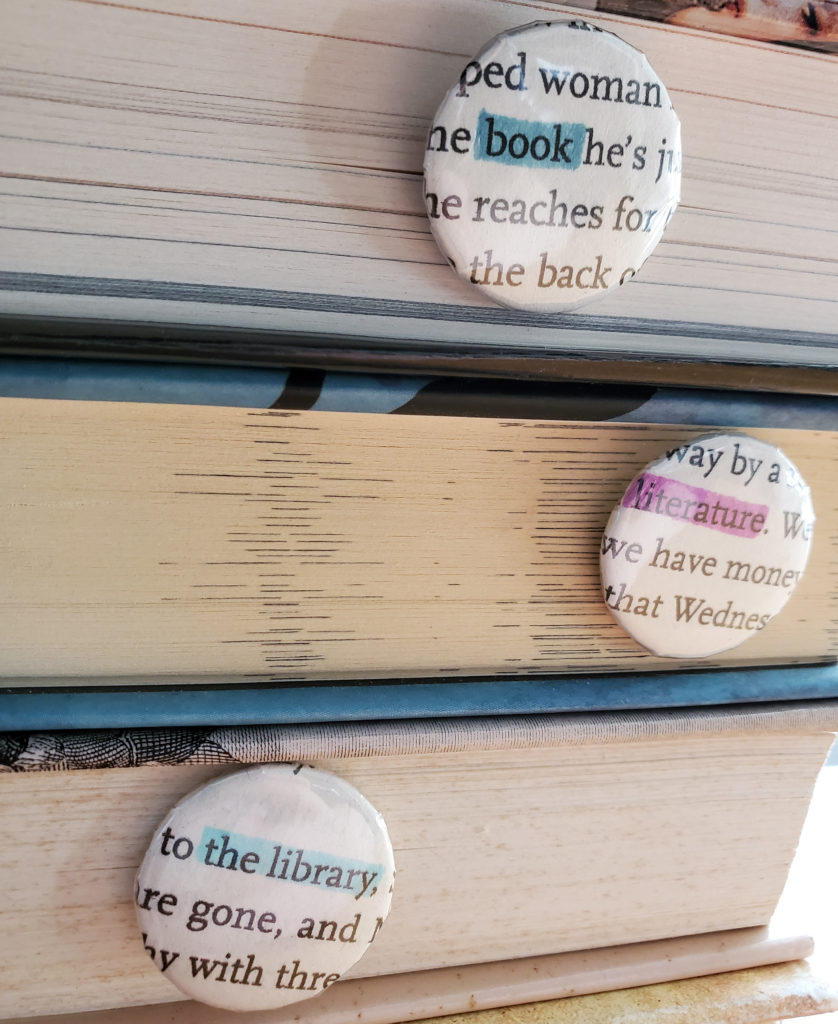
(287, 703)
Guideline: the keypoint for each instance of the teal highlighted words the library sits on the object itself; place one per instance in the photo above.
(233, 852)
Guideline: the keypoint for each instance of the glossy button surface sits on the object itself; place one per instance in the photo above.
(707, 545)
(261, 888)
(552, 166)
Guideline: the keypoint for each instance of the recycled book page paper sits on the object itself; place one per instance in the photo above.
(553, 166)
(706, 545)
(263, 887)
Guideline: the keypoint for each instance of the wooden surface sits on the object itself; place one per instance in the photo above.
(564, 848)
(170, 541)
(258, 167)
(759, 996)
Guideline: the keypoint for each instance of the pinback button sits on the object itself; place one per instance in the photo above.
(706, 545)
(552, 166)
(263, 887)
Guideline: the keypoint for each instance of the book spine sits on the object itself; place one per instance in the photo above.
(405, 394)
(242, 704)
(131, 748)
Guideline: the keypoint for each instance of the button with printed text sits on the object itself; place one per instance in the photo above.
(706, 545)
(552, 166)
(263, 887)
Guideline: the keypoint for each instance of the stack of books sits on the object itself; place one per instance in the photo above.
(369, 541)
(263, 199)
(191, 588)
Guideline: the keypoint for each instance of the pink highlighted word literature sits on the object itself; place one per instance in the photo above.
(663, 496)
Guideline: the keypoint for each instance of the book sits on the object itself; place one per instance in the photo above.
(629, 827)
(157, 544)
(246, 208)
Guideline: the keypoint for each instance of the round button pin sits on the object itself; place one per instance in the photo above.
(263, 887)
(706, 545)
(553, 166)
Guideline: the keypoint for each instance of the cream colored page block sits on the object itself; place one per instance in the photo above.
(164, 540)
(482, 872)
(162, 122)
(153, 541)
